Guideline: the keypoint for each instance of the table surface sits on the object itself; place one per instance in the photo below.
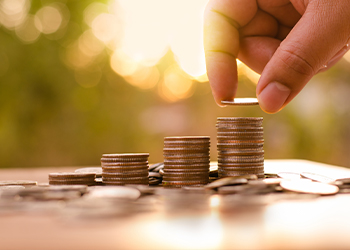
(172, 222)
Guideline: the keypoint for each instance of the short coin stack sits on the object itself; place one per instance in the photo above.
(240, 146)
(72, 179)
(122, 169)
(186, 161)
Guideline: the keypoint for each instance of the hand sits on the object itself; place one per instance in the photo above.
(286, 41)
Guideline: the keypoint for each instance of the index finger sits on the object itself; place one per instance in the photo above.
(222, 20)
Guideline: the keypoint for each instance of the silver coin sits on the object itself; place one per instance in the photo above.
(227, 181)
(242, 102)
(317, 177)
(18, 182)
(309, 187)
(289, 175)
(126, 155)
(109, 192)
(96, 170)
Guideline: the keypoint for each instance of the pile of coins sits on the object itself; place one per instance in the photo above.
(122, 169)
(186, 161)
(72, 179)
(240, 146)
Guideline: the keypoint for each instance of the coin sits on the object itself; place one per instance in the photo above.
(289, 175)
(170, 156)
(184, 138)
(183, 183)
(71, 175)
(317, 177)
(240, 119)
(126, 174)
(95, 170)
(242, 102)
(344, 180)
(118, 169)
(109, 192)
(126, 155)
(123, 182)
(309, 187)
(249, 145)
(18, 182)
(186, 178)
(116, 162)
(226, 182)
(126, 179)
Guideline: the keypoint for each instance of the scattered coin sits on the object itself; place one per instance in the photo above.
(113, 192)
(25, 183)
(344, 180)
(309, 187)
(242, 102)
(317, 177)
(227, 181)
(289, 175)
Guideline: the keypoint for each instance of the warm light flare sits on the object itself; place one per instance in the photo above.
(13, 12)
(175, 85)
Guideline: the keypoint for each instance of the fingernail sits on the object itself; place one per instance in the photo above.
(273, 96)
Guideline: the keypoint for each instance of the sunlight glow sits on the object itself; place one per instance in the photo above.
(246, 71)
(175, 85)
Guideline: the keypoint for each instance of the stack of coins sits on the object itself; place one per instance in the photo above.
(186, 161)
(72, 179)
(123, 169)
(240, 146)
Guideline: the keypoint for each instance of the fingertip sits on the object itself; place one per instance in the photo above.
(273, 97)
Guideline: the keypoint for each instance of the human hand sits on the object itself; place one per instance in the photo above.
(286, 41)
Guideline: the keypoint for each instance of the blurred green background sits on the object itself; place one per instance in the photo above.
(82, 78)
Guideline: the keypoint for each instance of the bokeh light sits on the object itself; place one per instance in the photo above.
(13, 12)
(80, 78)
(28, 31)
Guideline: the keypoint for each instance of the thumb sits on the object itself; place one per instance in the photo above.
(321, 32)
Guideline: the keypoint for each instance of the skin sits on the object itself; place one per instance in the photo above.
(286, 41)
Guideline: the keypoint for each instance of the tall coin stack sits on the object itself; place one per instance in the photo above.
(186, 161)
(122, 169)
(240, 146)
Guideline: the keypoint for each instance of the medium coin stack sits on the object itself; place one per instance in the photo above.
(186, 161)
(122, 169)
(240, 146)
(72, 178)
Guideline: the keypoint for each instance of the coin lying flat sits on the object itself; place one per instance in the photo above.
(310, 187)
(289, 175)
(114, 192)
(242, 102)
(18, 182)
(96, 170)
(317, 177)
(229, 181)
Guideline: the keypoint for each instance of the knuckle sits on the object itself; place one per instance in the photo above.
(296, 61)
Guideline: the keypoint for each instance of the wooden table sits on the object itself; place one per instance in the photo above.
(216, 222)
